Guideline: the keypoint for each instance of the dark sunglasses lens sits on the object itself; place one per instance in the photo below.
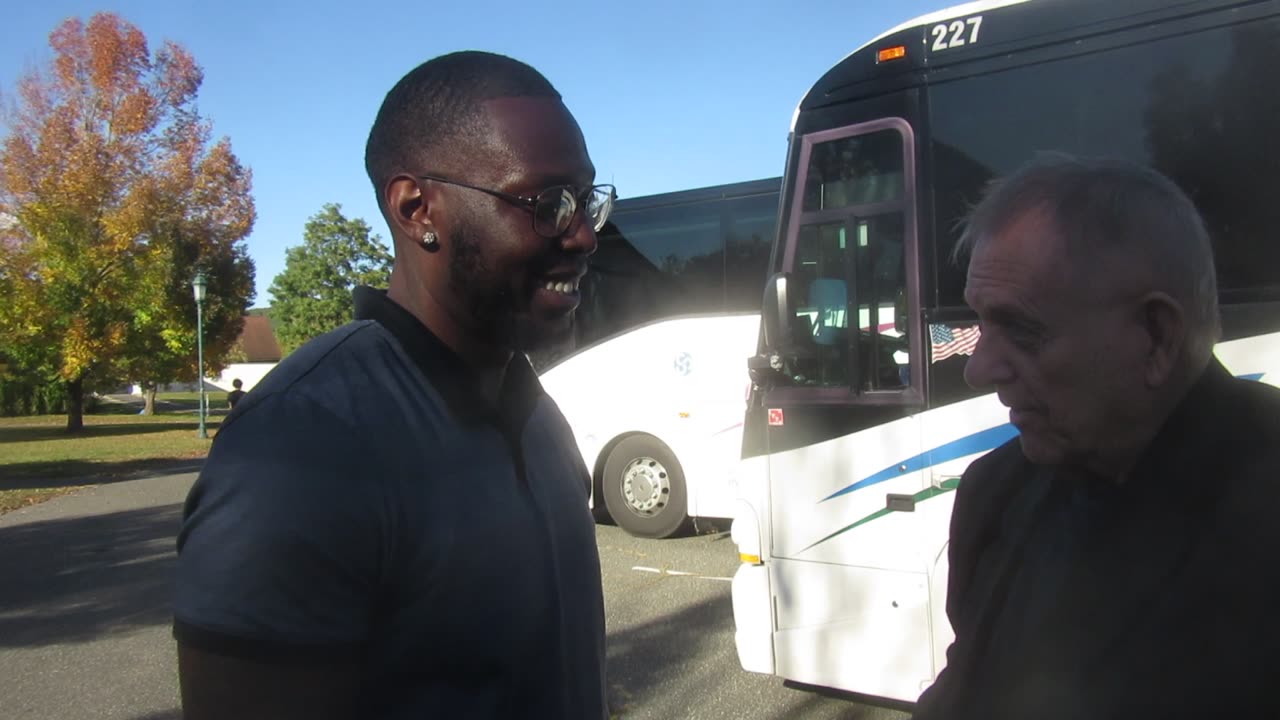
(553, 212)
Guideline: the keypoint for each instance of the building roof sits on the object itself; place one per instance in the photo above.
(258, 340)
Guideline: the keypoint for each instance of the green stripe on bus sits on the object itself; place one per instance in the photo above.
(929, 492)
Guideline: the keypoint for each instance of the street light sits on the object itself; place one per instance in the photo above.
(198, 285)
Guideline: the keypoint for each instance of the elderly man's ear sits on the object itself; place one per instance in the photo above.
(1164, 322)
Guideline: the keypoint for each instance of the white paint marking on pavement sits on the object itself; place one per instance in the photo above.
(679, 573)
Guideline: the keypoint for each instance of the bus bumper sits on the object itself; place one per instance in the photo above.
(753, 618)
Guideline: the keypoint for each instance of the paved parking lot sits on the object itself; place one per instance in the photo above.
(84, 618)
(671, 652)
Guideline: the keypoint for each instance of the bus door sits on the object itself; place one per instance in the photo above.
(842, 398)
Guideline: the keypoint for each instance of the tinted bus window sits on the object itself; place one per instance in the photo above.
(748, 236)
(1180, 104)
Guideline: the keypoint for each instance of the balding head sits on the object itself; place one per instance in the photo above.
(1116, 222)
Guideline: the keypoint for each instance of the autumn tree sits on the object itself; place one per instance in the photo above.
(116, 194)
(312, 295)
(201, 210)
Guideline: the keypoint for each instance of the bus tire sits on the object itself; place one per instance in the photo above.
(644, 488)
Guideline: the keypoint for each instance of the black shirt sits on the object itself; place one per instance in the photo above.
(366, 505)
(1155, 598)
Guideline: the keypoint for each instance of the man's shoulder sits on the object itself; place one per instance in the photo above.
(1001, 468)
(1253, 412)
(1246, 449)
(316, 364)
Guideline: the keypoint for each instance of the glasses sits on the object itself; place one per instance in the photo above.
(555, 208)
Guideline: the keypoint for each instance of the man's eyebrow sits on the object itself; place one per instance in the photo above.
(1012, 317)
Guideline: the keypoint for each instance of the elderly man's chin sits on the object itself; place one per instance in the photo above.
(1041, 449)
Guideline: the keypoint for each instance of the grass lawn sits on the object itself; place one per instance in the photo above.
(39, 460)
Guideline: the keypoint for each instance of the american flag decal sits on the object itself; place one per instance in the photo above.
(947, 341)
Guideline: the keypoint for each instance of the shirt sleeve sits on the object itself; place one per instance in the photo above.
(283, 538)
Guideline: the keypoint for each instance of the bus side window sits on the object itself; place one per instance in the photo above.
(849, 266)
(820, 326)
(882, 280)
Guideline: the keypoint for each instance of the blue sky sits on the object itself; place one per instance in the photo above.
(670, 95)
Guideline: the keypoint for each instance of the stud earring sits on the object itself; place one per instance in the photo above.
(429, 239)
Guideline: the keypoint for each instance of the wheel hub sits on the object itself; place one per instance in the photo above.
(646, 486)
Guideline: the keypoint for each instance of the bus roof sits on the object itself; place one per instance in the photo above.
(1012, 26)
(737, 189)
(969, 8)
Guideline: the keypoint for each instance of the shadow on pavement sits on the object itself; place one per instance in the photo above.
(67, 473)
(650, 675)
(644, 660)
(75, 579)
(168, 715)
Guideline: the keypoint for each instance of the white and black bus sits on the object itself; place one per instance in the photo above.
(652, 380)
(860, 423)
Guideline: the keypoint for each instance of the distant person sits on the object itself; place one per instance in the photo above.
(1118, 558)
(398, 525)
(234, 396)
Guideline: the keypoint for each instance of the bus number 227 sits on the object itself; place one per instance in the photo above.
(952, 35)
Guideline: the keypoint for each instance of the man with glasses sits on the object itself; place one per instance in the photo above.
(395, 522)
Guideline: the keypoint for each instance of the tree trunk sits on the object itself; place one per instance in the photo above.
(149, 398)
(75, 405)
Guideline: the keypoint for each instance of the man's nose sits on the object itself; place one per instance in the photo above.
(581, 239)
(987, 367)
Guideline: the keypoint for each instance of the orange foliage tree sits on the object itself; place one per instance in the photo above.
(110, 195)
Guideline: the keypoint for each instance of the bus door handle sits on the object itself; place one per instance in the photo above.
(900, 503)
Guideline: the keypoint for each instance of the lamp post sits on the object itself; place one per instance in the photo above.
(198, 285)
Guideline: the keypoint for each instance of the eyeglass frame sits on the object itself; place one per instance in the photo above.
(532, 202)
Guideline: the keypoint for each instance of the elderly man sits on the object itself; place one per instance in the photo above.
(1118, 559)
(394, 523)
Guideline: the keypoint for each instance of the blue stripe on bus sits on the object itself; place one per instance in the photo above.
(983, 441)
(988, 439)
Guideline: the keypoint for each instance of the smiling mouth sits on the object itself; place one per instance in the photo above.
(566, 287)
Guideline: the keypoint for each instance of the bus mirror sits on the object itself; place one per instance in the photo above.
(776, 312)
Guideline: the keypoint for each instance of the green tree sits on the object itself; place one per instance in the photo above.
(200, 215)
(97, 143)
(313, 294)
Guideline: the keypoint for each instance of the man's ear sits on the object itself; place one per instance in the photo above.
(407, 208)
(1165, 323)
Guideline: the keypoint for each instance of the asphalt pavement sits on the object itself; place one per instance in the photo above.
(84, 604)
(85, 588)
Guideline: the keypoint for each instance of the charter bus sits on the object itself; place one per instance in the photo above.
(859, 422)
(652, 380)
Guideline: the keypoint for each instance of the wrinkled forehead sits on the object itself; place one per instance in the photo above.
(1047, 261)
(1029, 239)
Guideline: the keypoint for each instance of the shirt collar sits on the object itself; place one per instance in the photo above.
(447, 372)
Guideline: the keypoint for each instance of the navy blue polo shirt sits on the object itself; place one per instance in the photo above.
(366, 505)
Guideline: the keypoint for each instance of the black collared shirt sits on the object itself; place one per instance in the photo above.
(1075, 598)
(365, 505)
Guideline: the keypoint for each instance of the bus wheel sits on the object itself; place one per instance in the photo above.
(644, 488)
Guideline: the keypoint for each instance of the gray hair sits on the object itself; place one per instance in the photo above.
(1099, 204)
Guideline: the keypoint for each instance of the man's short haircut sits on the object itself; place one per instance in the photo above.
(1099, 204)
(436, 106)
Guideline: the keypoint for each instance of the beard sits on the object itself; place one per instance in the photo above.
(498, 312)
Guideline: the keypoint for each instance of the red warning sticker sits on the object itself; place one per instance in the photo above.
(775, 416)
